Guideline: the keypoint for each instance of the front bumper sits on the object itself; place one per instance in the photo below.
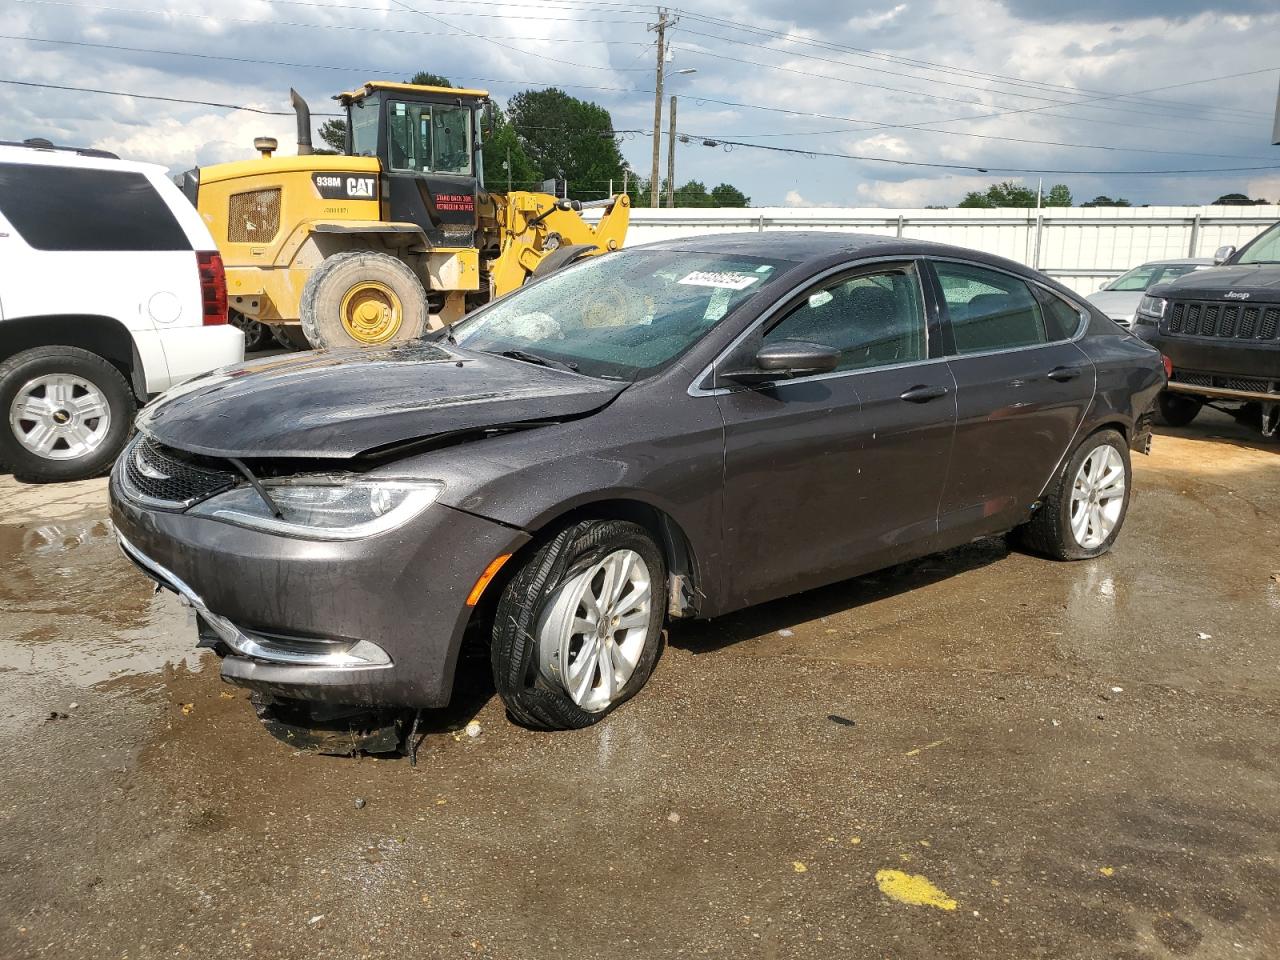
(375, 622)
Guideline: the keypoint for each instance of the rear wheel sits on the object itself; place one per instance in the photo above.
(1177, 409)
(362, 299)
(257, 336)
(67, 414)
(578, 628)
(289, 336)
(1085, 507)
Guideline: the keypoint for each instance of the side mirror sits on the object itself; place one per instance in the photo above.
(1223, 254)
(788, 358)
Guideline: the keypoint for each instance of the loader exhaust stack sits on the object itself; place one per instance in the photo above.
(304, 122)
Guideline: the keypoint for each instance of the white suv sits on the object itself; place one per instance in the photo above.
(111, 290)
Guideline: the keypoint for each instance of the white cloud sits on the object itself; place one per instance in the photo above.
(919, 192)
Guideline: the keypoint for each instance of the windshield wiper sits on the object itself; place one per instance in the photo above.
(541, 361)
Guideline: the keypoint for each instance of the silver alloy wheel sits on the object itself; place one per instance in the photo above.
(60, 416)
(592, 633)
(1097, 496)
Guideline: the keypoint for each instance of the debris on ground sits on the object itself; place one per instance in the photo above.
(912, 888)
(799, 867)
(473, 729)
(673, 817)
(1204, 636)
(360, 802)
(843, 721)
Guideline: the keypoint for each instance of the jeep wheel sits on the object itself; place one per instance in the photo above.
(67, 414)
(578, 628)
(1177, 409)
(362, 299)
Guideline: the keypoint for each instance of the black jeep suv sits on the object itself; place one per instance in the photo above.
(1219, 330)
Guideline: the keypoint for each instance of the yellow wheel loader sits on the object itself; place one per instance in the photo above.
(395, 236)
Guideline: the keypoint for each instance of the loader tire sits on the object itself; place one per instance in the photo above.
(362, 299)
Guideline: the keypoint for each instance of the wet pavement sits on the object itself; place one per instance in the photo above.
(978, 754)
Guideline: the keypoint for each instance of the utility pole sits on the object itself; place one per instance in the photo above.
(661, 29)
(671, 157)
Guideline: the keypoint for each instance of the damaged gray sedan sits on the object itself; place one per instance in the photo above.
(672, 431)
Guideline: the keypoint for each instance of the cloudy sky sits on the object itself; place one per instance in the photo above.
(1096, 86)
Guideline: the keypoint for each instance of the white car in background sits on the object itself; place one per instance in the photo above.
(111, 290)
(1119, 298)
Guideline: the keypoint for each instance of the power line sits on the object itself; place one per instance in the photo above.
(148, 96)
(326, 26)
(616, 90)
(926, 64)
(914, 93)
(980, 168)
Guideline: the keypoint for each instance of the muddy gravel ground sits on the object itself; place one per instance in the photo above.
(979, 754)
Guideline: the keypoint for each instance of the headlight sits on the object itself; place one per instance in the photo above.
(323, 508)
(1152, 307)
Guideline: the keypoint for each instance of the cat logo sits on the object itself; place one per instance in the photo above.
(360, 187)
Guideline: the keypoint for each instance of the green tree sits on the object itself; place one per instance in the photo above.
(504, 148)
(1058, 196)
(1236, 200)
(424, 79)
(1006, 194)
(570, 138)
(334, 133)
(1105, 201)
(727, 195)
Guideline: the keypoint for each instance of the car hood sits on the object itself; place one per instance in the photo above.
(1116, 303)
(340, 403)
(1260, 280)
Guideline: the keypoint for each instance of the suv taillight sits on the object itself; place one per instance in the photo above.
(213, 287)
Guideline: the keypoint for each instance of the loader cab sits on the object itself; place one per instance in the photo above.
(427, 142)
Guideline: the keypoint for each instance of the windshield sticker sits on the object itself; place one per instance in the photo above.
(722, 280)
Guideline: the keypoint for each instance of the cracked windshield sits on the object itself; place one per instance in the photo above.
(619, 317)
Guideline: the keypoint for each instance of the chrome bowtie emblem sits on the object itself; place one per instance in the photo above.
(146, 469)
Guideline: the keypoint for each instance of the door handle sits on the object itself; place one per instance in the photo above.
(1063, 374)
(923, 393)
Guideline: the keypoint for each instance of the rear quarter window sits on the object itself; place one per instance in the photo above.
(81, 209)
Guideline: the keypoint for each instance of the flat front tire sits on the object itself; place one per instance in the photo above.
(578, 627)
(1084, 509)
(66, 414)
(362, 299)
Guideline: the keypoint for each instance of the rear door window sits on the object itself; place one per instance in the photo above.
(989, 310)
(83, 209)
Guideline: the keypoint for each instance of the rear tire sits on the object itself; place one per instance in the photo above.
(1177, 409)
(290, 336)
(65, 414)
(257, 335)
(362, 299)
(1081, 515)
(578, 628)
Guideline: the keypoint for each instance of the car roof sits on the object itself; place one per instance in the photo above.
(809, 246)
(70, 157)
(1175, 261)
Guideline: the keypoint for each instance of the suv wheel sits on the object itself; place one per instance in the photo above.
(578, 628)
(67, 413)
(1177, 409)
(1085, 507)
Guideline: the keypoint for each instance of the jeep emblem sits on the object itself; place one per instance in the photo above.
(1232, 295)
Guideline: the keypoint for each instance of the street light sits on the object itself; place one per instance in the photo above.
(671, 144)
(660, 28)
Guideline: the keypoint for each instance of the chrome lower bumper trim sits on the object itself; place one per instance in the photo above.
(360, 655)
(1223, 393)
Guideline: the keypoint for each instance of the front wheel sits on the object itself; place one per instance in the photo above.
(1177, 409)
(362, 299)
(1085, 507)
(67, 414)
(578, 628)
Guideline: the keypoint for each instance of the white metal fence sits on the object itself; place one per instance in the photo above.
(1082, 247)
